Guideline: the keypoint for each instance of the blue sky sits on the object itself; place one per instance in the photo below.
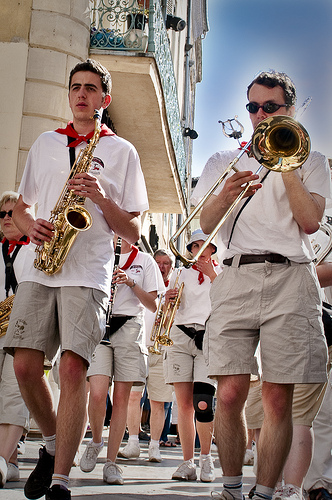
(249, 36)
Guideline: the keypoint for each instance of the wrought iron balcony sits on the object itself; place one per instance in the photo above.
(139, 26)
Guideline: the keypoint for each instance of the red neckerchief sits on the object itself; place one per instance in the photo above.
(71, 132)
(166, 283)
(131, 258)
(13, 243)
(200, 274)
(243, 146)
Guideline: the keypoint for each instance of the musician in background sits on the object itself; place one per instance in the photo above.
(184, 364)
(69, 307)
(157, 390)
(14, 415)
(268, 292)
(123, 359)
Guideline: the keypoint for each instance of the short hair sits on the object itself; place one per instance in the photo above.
(8, 196)
(272, 79)
(98, 69)
(164, 252)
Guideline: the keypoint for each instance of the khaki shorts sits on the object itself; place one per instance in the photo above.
(183, 362)
(44, 318)
(307, 399)
(158, 390)
(279, 305)
(125, 359)
(12, 407)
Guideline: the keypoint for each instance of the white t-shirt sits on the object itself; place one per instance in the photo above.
(266, 224)
(145, 271)
(195, 305)
(18, 268)
(117, 167)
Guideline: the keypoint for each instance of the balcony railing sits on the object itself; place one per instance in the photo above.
(138, 25)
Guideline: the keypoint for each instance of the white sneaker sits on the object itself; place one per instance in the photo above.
(289, 491)
(154, 453)
(89, 458)
(249, 457)
(186, 471)
(112, 473)
(207, 469)
(21, 447)
(13, 473)
(3, 472)
(223, 495)
(131, 450)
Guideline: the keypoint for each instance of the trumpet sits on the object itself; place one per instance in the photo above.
(278, 143)
(169, 315)
(157, 326)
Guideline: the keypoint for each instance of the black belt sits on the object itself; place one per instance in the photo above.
(195, 335)
(274, 258)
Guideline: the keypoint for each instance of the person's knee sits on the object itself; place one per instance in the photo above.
(203, 401)
(232, 393)
(277, 400)
(28, 366)
(72, 368)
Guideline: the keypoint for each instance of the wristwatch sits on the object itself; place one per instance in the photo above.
(134, 284)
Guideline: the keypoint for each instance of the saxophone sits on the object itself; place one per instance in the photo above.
(69, 216)
(5, 310)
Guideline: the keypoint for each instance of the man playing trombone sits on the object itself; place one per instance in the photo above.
(268, 292)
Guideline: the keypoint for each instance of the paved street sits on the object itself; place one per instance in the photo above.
(142, 478)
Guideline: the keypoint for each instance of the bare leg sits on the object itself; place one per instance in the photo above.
(229, 422)
(36, 392)
(119, 417)
(186, 423)
(299, 458)
(9, 437)
(157, 419)
(134, 413)
(205, 432)
(99, 385)
(71, 410)
(276, 434)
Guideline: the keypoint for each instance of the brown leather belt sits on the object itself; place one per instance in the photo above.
(274, 258)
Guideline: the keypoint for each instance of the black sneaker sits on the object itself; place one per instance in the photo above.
(319, 494)
(58, 492)
(41, 477)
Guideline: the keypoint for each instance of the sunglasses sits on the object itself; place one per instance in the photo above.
(3, 214)
(268, 107)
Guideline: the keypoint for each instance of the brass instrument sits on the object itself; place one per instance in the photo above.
(5, 310)
(157, 326)
(322, 252)
(69, 215)
(164, 338)
(278, 143)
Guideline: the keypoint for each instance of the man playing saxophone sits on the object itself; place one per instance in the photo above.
(68, 308)
(267, 293)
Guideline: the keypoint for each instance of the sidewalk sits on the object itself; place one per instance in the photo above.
(142, 478)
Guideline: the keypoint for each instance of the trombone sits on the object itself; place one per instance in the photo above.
(278, 143)
(157, 326)
(321, 252)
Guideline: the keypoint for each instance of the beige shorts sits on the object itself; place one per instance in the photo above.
(158, 390)
(12, 407)
(125, 359)
(183, 362)
(307, 399)
(279, 305)
(44, 318)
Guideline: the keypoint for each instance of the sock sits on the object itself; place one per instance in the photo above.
(233, 484)
(50, 444)
(97, 445)
(205, 456)
(61, 480)
(133, 437)
(264, 492)
(154, 442)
